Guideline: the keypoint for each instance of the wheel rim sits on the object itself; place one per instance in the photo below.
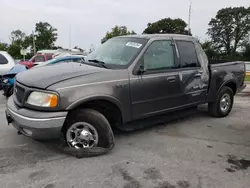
(225, 102)
(82, 135)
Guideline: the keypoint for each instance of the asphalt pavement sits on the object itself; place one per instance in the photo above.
(195, 152)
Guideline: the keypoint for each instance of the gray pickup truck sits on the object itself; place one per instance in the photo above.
(127, 80)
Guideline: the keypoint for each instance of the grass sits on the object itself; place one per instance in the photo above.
(247, 78)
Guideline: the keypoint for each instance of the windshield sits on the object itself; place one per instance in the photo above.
(118, 51)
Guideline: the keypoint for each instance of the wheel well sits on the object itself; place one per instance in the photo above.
(110, 110)
(233, 86)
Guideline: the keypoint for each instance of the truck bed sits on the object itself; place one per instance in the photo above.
(223, 73)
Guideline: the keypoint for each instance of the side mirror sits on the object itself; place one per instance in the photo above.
(141, 70)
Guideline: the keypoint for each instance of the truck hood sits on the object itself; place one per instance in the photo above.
(43, 77)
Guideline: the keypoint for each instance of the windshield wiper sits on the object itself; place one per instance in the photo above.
(101, 63)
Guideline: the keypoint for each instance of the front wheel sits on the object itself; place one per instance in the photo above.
(223, 104)
(87, 128)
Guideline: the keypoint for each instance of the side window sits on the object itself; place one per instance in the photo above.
(3, 60)
(49, 57)
(75, 60)
(39, 58)
(159, 56)
(80, 60)
(188, 54)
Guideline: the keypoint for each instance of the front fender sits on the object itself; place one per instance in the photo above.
(109, 98)
(95, 97)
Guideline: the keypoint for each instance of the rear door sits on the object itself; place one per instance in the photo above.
(193, 88)
(158, 88)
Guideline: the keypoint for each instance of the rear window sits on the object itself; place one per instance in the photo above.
(188, 54)
(3, 60)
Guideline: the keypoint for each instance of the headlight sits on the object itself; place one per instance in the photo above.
(42, 99)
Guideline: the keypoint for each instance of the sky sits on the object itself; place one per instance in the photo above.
(85, 22)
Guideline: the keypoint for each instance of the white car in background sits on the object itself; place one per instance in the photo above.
(6, 62)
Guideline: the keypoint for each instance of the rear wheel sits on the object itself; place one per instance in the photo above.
(86, 128)
(223, 104)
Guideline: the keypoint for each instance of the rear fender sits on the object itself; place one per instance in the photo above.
(213, 95)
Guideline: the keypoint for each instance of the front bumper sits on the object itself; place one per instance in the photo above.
(35, 124)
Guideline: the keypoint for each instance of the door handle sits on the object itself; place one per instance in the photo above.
(198, 75)
(171, 79)
(200, 72)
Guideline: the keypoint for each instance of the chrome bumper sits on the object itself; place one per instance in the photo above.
(35, 124)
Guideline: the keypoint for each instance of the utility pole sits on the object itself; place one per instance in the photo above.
(34, 44)
(70, 36)
(189, 17)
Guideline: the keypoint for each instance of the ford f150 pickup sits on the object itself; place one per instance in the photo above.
(127, 80)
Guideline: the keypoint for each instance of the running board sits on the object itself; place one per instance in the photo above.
(156, 120)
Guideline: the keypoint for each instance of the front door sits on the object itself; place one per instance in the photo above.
(157, 89)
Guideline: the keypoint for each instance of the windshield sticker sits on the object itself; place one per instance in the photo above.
(134, 44)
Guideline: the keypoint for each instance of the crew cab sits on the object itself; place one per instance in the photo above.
(127, 80)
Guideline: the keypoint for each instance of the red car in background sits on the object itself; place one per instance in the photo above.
(36, 58)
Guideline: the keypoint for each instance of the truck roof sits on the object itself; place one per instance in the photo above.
(150, 36)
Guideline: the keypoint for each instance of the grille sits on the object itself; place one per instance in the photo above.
(19, 92)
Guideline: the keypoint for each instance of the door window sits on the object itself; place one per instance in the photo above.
(39, 58)
(77, 60)
(188, 54)
(49, 57)
(159, 56)
(3, 60)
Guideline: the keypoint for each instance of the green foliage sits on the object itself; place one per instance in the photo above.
(45, 35)
(247, 78)
(167, 25)
(246, 52)
(3, 46)
(229, 29)
(210, 50)
(19, 40)
(117, 31)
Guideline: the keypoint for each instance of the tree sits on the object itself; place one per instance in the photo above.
(210, 50)
(17, 36)
(229, 29)
(3, 46)
(18, 40)
(167, 25)
(117, 31)
(45, 36)
(246, 51)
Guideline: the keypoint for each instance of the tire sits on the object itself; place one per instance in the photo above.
(91, 118)
(215, 108)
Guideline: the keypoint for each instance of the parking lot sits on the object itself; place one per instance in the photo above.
(197, 152)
